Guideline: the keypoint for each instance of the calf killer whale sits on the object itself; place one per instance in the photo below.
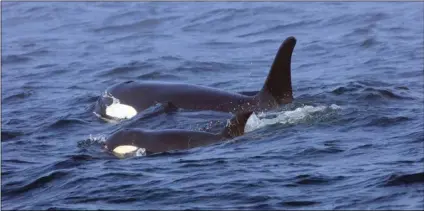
(128, 141)
(126, 99)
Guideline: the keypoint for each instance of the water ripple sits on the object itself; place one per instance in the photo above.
(404, 179)
(9, 135)
(39, 182)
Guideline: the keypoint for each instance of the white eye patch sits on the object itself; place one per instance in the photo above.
(124, 149)
(120, 111)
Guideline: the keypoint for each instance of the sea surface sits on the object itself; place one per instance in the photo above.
(352, 139)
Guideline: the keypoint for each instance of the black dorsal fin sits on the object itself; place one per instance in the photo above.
(278, 83)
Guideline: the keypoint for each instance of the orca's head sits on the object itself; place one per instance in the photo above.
(124, 142)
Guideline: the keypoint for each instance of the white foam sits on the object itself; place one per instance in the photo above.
(97, 139)
(284, 117)
(92, 141)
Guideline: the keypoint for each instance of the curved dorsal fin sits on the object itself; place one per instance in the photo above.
(278, 83)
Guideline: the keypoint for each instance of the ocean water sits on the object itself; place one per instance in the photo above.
(352, 139)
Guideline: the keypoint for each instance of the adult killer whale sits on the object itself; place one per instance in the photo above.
(128, 141)
(126, 99)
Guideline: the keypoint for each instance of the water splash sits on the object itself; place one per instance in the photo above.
(97, 139)
(286, 117)
(92, 140)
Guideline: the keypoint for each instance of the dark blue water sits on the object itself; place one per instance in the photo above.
(352, 139)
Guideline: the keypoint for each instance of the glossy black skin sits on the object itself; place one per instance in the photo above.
(163, 140)
(277, 90)
(155, 141)
(186, 96)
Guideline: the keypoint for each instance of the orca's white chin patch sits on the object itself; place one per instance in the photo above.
(120, 111)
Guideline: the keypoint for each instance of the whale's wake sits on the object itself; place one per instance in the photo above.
(301, 114)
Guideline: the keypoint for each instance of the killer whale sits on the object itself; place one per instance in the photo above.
(127, 141)
(125, 100)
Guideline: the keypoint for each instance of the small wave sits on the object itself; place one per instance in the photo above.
(362, 31)
(42, 66)
(82, 99)
(280, 28)
(263, 42)
(17, 161)
(315, 180)
(374, 83)
(316, 49)
(170, 58)
(158, 75)
(214, 18)
(218, 44)
(62, 123)
(349, 88)
(223, 84)
(237, 27)
(208, 160)
(299, 203)
(373, 93)
(123, 17)
(38, 52)
(126, 68)
(215, 12)
(9, 135)
(304, 113)
(402, 87)
(199, 67)
(341, 90)
(340, 19)
(204, 163)
(176, 153)
(72, 161)
(36, 183)
(363, 90)
(123, 39)
(142, 25)
(18, 96)
(369, 42)
(405, 179)
(123, 174)
(14, 59)
(357, 86)
(312, 151)
(148, 23)
(364, 37)
(387, 121)
(363, 146)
